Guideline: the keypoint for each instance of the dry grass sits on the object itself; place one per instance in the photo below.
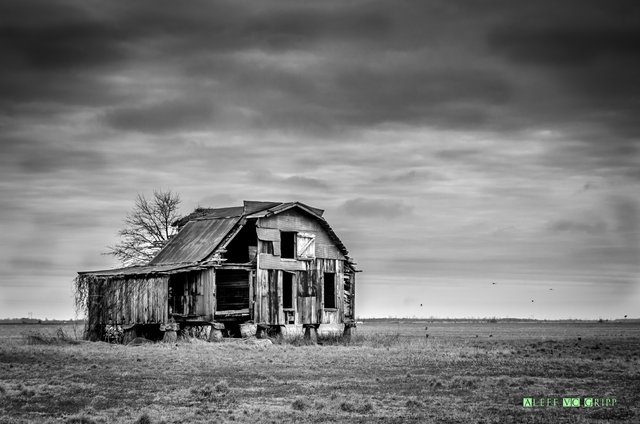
(383, 375)
(58, 337)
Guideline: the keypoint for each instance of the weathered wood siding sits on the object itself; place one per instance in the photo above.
(295, 220)
(129, 301)
(207, 281)
(196, 292)
(268, 297)
(349, 295)
(308, 301)
(336, 267)
(268, 261)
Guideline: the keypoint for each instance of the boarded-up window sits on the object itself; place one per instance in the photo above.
(232, 288)
(306, 246)
(288, 245)
(266, 247)
(329, 290)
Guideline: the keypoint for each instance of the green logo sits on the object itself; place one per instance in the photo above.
(570, 402)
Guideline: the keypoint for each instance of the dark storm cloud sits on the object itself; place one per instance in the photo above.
(567, 46)
(368, 63)
(405, 92)
(591, 50)
(79, 43)
(209, 26)
(56, 53)
(69, 46)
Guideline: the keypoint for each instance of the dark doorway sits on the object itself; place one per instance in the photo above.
(287, 290)
(287, 245)
(329, 290)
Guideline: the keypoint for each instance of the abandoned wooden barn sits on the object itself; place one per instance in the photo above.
(263, 266)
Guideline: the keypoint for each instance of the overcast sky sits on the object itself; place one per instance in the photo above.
(452, 144)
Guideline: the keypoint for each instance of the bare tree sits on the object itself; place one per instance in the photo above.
(147, 228)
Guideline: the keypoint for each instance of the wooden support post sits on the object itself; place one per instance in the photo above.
(349, 327)
(311, 334)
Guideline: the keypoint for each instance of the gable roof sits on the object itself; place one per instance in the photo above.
(251, 206)
(205, 230)
(281, 207)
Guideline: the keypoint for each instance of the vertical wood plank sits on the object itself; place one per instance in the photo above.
(131, 295)
(149, 288)
(159, 298)
(279, 308)
(265, 297)
(320, 289)
(200, 302)
(214, 292)
(152, 300)
(145, 300)
(257, 306)
(262, 296)
(203, 278)
(273, 308)
(154, 303)
(126, 314)
(252, 302)
(294, 297)
(353, 295)
(339, 290)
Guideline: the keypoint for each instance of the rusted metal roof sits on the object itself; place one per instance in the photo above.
(231, 212)
(195, 241)
(251, 206)
(136, 270)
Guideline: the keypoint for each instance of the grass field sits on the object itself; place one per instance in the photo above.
(469, 372)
